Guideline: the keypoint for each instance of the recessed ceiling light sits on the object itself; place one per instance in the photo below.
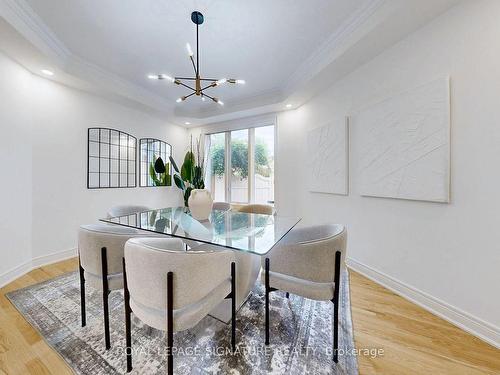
(288, 106)
(47, 72)
(187, 123)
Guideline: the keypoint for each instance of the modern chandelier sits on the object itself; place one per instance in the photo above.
(200, 84)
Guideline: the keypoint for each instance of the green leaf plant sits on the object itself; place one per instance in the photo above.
(191, 174)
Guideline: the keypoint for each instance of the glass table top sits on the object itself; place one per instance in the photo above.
(254, 233)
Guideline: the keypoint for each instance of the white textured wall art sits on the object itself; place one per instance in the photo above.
(328, 158)
(403, 144)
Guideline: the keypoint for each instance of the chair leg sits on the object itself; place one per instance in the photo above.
(82, 293)
(105, 293)
(128, 331)
(233, 306)
(287, 295)
(170, 323)
(266, 270)
(336, 308)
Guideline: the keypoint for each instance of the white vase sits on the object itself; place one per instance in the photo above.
(200, 204)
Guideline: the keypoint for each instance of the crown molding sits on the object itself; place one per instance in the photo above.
(324, 54)
(116, 84)
(25, 20)
(22, 17)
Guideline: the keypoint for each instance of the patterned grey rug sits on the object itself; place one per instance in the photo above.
(301, 334)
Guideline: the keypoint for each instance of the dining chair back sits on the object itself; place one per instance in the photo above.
(100, 253)
(308, 262)
(308, 253)
(171, 289)
(263, 209)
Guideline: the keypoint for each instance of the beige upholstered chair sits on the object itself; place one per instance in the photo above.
(126, 210)
(308, 262)
(221, 206)
(172, 290)
(263, 209)
(100, 251)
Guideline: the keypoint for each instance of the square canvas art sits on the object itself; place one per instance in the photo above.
(403, 145)
(328, 158)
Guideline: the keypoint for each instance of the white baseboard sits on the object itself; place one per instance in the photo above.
(24, 268)
(475, 326)
(12, 274)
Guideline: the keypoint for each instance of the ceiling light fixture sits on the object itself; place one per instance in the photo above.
(47, 72)
(208, 83)
(187, 123)
(289, 106)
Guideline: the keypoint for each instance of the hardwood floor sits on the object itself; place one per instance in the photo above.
(22, 349)
(413, 340)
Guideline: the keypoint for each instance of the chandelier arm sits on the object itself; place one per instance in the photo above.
(187, 96)
(189, 87)
(208, 96)
(194, 67)
(208, 86)
(194, 79)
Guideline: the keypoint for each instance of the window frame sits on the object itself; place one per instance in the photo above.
(109, 172)
(140, 160)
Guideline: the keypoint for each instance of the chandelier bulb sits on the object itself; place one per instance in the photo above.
(190, 51)
(161, 77)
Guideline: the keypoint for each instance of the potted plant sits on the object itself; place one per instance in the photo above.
(190, 179)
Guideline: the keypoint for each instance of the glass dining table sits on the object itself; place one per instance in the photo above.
(247, 232)
(251, 236)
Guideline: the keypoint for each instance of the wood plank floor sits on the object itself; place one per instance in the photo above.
(413, 340)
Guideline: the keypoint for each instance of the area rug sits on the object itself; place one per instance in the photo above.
(301, 334)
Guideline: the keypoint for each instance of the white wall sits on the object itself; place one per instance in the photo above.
(444, 256)
(16, 167)
(44, 162)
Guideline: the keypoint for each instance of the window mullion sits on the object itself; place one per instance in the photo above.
(251, 165)
(228, 166)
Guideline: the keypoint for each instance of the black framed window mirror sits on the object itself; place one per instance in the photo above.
(154, 166)
(111, 159)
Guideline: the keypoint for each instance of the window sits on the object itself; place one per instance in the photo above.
(111, 159)
(241, 165)
(150, 150)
